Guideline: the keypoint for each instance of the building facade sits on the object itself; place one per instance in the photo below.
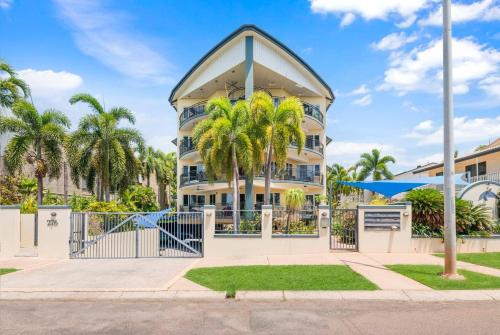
(249, 60)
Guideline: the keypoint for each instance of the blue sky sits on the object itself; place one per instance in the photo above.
(382, 58)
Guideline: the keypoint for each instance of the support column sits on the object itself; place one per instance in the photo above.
(248, 94)
(208, 230)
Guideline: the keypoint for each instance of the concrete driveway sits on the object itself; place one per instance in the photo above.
(141, 274)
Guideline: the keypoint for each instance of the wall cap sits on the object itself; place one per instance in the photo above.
(267, 207)
(324, 207)
(10, 206)
(205, 207)
(54, 207)
(381, 206)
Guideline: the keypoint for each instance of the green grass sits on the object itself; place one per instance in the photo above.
(5, 271)
(286, 277)
(491, 259)
(430, 275)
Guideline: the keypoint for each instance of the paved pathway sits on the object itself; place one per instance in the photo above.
(98, 275)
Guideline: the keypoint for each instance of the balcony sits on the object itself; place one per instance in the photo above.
(319, 149)
(293, 175)
(190, 113)
(313, 111)
(494, 176)
(186, 147)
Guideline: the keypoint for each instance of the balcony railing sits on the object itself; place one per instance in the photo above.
(186, 147)
(316, 148)
(494, 176)
(190, 113)
(290, 174)
(313, 111)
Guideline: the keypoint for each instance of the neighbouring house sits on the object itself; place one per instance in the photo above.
(482, 164)
(248, 60)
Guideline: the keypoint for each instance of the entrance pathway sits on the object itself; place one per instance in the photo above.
(146, 274)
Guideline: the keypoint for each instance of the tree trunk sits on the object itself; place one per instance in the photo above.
(167, 196)
(65, 177)
(249, 191)
(236, 193)
(267, 175)
(147, 180)
(39, 190)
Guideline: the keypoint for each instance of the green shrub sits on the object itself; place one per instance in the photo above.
(80, 203)
(428, 214)
(138, 198)
(102, 206)
(29, 205)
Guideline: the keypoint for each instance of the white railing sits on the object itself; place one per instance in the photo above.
(494, 176)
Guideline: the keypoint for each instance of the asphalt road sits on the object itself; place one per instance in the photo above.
(238, 317)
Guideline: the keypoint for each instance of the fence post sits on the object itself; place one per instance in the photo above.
(137, 246)
(208, 229)
(324, 226)
(54, 231)
(267, 222)
(10, 220)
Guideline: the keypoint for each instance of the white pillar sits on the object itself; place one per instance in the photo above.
(267, 223)
(54, 231)
(10, 220)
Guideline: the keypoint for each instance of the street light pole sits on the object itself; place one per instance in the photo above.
(450, 258)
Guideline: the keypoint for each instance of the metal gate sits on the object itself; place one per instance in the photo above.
(344, 229)
(135, 235)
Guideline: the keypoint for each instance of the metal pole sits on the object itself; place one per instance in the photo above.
(450, 259)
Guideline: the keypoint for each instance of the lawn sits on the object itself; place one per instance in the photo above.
(286, 277)
(430, 275)
(5, 271)
(491, 259)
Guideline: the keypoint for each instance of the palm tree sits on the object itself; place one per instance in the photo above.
(281, 127)
(148, 158)
(38, 138)
(224, 144)
(11, 87)
(374, 165)
(100, 151)
(165, 170)
(335, 174)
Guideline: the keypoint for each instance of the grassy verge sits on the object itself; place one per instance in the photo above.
(287, 277)
(5, 271)
(491, 259)
(430, 275)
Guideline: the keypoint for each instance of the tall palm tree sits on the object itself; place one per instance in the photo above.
(335, 174)
(165, 170)
(282, 126)
(38, 138)
(224, 144)
(148, 158)
(11, 87)
(102, 152)
(375, 165)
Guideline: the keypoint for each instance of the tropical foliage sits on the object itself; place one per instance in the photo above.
(224, 144)
(12, 88)
(372, 164)
(102, 152)
(278, 127)
(428, 214)
(139, 198)
(37, 139)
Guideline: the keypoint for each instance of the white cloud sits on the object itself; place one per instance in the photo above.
(421, 68)
(5, 4)
(394, 41)
(105, 35)
(407, 22)
(491, 85)
(347, 19)
(48, 83)
(434, 158)
(364, 100)
(465, 130)
(370, 9)
(348, 153)
(360, 90)
(485, 10)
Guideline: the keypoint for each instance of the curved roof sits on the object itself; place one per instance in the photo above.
(243, 28)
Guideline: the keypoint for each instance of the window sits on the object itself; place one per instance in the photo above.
(226, 198)
(212, 199)
(471, 170)
(481, 169)
(439, 174)
(185, 200)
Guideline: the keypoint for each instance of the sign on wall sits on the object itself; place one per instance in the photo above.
(382, 220)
